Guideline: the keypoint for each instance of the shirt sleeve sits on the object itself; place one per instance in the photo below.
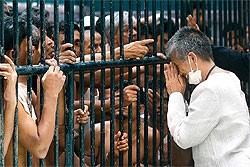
(191, 130)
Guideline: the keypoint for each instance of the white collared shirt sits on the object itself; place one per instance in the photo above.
(217, 126)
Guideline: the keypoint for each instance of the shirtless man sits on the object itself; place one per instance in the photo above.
(34, 136)
(121, 139)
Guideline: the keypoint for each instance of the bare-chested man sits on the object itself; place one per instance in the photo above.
(121, 139)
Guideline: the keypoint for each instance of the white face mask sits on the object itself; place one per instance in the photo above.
(194, 77)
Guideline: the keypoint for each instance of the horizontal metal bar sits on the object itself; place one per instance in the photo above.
(36, 70)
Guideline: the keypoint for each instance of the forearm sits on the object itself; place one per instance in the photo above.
(107, 160)
(61, 108)
(9, 114)
(46, 125)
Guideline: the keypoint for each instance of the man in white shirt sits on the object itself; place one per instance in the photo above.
(217, 126)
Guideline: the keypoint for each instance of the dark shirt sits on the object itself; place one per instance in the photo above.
(232, 60)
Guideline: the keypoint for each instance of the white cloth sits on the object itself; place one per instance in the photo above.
(217, 126)
(23, 99)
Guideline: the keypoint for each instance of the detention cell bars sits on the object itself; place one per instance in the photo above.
(107, 71)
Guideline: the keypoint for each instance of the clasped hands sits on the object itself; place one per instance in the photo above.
(174, 81)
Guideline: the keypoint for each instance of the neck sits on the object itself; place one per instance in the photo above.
(23, 79)
(206, 68)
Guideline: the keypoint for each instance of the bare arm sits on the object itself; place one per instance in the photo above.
(8, 71)
(37, 138)
(87, 146)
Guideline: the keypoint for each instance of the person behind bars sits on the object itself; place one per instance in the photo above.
(121, 137)
(217, 122)
(34, 136)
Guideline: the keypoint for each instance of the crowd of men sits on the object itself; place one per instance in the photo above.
(36, 130)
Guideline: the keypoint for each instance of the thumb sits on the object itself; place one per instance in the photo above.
(118, 135)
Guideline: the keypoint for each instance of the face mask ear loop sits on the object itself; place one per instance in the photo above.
(196, 63)
(190, 64)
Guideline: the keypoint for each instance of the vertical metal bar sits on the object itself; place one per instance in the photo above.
(103, 85)
(209, 25)
(162, 116)
(81, 9)
(237, 33)
(203, 9)
(176, 7)
(112, 84)
(16, 61)
(69, 124)
(225, 19)
(215, 22)
(29, 82)
(43, 56)
(42, 31)
(130, 155)
(184, 13)
(92, 82)
(229, 2)
(154, 95)
(162, 23)
(146, 19)
(220, 22)
(170, 30)
(56, 50)
(1, 87)
(138, 10)
(81, 131)
(121, 99)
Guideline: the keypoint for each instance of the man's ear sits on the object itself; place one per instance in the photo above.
(10, 54)
(192, 57)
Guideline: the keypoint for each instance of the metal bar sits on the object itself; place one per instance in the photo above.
(162, 116)
(81, 9)
(220, 23)
(138, 152)
(184, 13)
(112, 83)
(176, 7)
(215, 6)
(81, 85)
(92, 82)
(225, 19)
(16, 61)
(102, 92)
(130, 154)
(35, 70)
(56, 50)
(229, 2)
(121, 99)
(162, 23)
(29, 82)
(42, 31)
(209, 26)
(146, 155)
(43, 56)
(69, 112)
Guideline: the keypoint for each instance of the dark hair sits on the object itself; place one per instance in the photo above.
(23, 33)
(62, 28)
(168, 24)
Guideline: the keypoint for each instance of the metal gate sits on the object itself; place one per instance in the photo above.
(218, 18)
